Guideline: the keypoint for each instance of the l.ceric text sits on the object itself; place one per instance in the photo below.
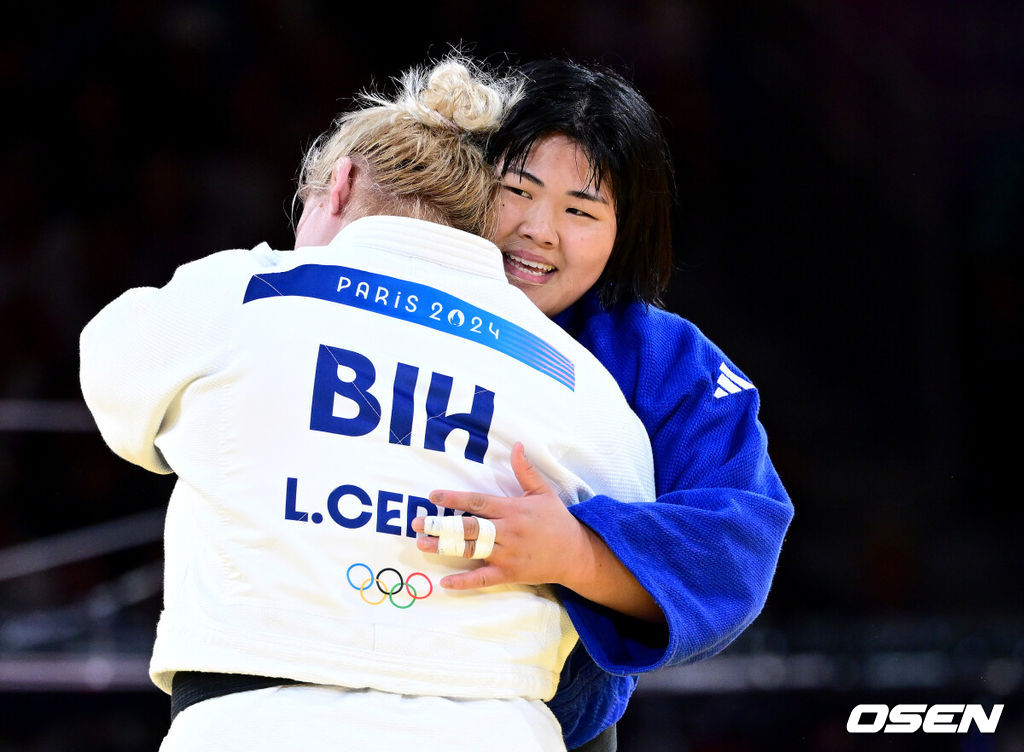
(351, 507)
(388, 592)
(417, 304)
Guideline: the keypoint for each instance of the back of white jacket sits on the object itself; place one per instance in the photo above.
(308, 402)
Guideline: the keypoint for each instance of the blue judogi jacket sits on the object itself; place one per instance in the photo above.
(707, 547)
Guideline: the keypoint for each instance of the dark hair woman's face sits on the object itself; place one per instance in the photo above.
(556, 230)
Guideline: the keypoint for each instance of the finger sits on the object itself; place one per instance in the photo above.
(532, 482)
(430, 545)
(449, 546)
(478, 578)
(470, 527)
(417, 524)
(479, 504)
(427, 544)
(450, 526)
(486, 539)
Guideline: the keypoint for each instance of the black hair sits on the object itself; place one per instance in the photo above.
(622, 137)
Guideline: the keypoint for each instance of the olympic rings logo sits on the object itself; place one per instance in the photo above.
(389, 593)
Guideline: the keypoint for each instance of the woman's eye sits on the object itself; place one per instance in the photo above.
(517, 191)
(579, 213)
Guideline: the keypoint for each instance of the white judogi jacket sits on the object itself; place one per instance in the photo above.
(308, 402)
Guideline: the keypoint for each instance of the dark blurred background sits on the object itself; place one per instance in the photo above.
(849, 230)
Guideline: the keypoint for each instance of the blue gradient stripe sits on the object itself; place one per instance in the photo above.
(390, 296)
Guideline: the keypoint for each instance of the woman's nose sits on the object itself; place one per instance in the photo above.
(537, 225)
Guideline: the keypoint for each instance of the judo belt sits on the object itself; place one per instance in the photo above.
(190, 687)
(606, 741)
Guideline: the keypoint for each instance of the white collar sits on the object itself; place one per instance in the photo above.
(417, 238)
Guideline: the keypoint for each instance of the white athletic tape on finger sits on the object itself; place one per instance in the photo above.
(451, 539)
(450, 546)
(485, 540)
(444, 526)
(432, 525)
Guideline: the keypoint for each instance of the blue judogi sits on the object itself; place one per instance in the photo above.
(706, 550)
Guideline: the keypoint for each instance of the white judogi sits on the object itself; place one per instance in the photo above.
(309, 401)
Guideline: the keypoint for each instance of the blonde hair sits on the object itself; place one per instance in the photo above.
(424, 150)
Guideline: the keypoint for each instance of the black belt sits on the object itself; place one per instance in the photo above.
(606, 741)
(190, 687)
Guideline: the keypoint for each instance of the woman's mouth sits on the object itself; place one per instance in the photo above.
(534, 272)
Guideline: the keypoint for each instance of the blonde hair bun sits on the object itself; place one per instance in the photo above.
(454, 99)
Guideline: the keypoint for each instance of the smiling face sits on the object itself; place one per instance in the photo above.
(555, 230)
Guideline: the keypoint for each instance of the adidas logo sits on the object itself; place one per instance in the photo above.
(730, 383)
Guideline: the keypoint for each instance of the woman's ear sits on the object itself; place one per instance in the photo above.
(343, 175)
